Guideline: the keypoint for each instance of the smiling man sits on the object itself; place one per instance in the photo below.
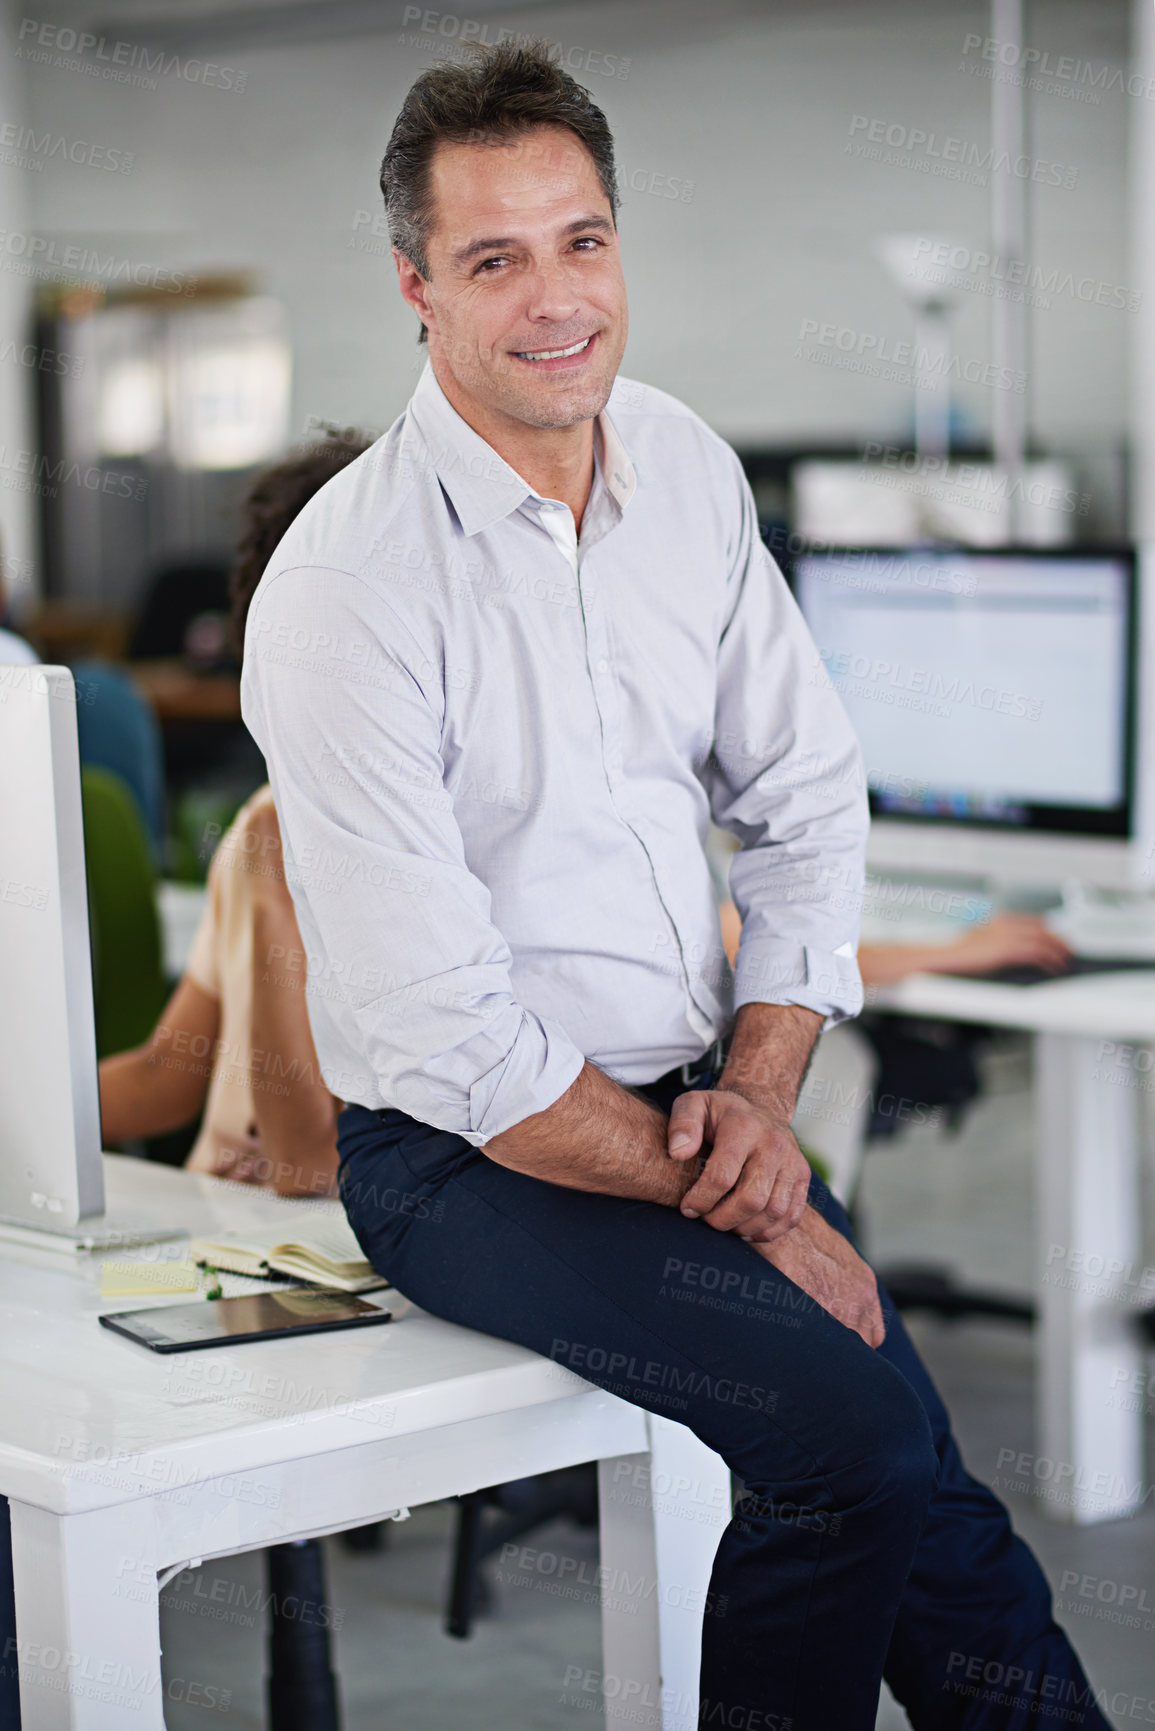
(505, 669)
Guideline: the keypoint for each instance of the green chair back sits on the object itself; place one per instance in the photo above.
(127, 950)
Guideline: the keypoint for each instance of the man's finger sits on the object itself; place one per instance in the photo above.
(688, 1116)
(745, 1203)
(721, 1172)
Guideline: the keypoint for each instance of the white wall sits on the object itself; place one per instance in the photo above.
(17, 382)
(753, 103)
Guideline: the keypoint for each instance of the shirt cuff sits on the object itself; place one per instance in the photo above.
(779, 971)
(536, 1071)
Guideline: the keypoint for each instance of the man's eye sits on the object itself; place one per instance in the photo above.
(590, 240)
(486, 262)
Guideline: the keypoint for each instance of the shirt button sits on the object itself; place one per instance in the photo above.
(603, 666)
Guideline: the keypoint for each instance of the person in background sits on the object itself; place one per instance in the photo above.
(1009, 940)
(233, 1042)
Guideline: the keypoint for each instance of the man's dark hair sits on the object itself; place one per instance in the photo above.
(499, 93)
(272, 502)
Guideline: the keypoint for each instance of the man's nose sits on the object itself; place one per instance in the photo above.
(551, 295)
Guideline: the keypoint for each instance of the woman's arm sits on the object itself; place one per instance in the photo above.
(296, 1116)
(161, 1085)
(1009, 940)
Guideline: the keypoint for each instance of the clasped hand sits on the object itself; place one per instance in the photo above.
(755, 1178)
(754, 1183)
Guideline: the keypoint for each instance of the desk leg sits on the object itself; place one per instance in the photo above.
(662, 1515)
(88, 1620)
(1089, 1465)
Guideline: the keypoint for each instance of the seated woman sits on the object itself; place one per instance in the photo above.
(234, 1042)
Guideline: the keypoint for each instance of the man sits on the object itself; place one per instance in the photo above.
(504, 670)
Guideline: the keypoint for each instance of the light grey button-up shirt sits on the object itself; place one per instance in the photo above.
(496, 747)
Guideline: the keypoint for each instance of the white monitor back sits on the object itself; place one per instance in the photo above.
(51, 1172)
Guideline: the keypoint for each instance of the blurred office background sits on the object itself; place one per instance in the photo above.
(902, 257)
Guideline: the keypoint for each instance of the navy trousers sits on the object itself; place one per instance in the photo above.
(861, 1549)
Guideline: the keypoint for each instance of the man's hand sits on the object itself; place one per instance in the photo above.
(826, 1265)
(755, 1178)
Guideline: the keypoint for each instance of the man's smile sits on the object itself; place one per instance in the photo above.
(556, 359)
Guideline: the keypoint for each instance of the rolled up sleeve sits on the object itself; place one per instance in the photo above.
(405, 966)
(786, 777)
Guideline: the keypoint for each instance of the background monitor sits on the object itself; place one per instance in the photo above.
(51, 1173)
(993, 693)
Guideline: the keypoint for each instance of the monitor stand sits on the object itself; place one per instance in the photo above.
(102, 1232)
(119, 1229)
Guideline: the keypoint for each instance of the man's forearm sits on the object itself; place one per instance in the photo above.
(769, 1052)
(600, 1137)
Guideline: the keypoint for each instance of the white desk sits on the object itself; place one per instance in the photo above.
(1086, 1262)
(122, 1466)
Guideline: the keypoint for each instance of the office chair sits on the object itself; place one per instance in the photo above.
(488, 1519)
(118, 731)
(129, 986)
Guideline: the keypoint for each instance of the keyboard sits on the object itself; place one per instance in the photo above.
(1024, 974)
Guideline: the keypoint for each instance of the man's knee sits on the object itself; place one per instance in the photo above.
(891, 1448)
(908, 1465)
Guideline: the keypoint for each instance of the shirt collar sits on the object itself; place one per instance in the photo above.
(482, 487)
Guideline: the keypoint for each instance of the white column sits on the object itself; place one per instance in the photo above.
(1087, 1463)
(18, 523)
(1141, 371)
(1009, 242)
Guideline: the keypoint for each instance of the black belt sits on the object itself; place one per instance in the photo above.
(700, 1072)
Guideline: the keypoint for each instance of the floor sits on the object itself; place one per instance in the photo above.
(963, 1201)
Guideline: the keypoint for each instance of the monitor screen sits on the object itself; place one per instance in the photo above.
(990, 688)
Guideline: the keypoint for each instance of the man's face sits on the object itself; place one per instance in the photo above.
(523, 262)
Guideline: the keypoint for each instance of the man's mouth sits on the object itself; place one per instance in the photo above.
(554, 354)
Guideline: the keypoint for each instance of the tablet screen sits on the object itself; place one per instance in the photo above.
(256, 1316)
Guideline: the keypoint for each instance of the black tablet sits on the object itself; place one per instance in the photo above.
(256, 1316)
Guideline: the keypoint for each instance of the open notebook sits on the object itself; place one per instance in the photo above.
(324, 1252)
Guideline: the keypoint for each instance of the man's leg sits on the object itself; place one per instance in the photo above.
(823, 1432)
(828, 1437)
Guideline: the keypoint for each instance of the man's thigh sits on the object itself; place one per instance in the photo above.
(663, 1311)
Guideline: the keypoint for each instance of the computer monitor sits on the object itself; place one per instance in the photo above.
(994, 697)
(51, 1170)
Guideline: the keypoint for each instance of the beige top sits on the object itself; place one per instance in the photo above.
(221, 963)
